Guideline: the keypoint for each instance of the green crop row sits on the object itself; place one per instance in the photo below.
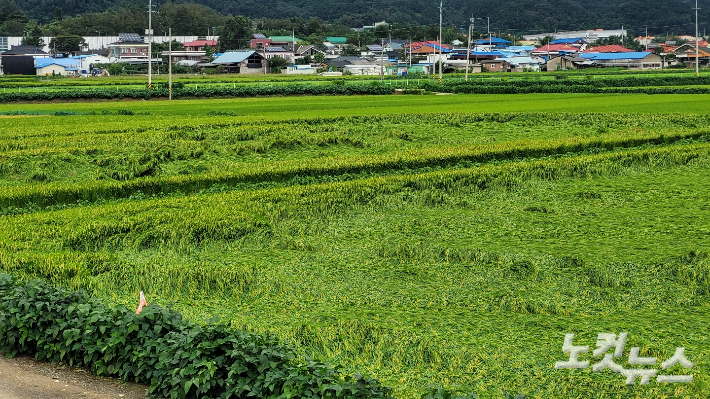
(112, 224)
(473, 87)
(176, 357)
(624, 81)
(241, 91)
(139, 177)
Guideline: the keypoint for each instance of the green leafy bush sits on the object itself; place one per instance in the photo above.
(176, 357)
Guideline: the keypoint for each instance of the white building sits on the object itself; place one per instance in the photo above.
(300, 70)
(363, 69)
(589, 35)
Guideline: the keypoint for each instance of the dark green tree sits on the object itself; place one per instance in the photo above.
(187, 18)
(351, 50)
(67, 44)
(235, 33)
(33, 35)
(277, 63)
(12, 19)
(210, 53)
(159, 48)
(58, 14)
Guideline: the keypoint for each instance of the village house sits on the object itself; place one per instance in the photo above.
(578, 42)
(259, 41)
(523, 64)
(284, 52)
(300, 70)
(497, 65)
(632, 60)
(568, 61)
(242, 62)
(549, 51)
(608, 48)
(129, 47)
(57, 66)
(195, 52)
(20, 60)
(686, 54)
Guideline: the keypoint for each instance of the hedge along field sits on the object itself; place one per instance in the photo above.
(448, 248)
(149, 112)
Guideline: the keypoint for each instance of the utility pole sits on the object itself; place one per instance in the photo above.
(441, 39)
(490, 39)
(382, 59)
(645, 39)
(697, 67)
(150, 44)
(468, 52)
(170, 63)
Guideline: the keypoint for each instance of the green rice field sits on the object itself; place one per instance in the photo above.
(428, 241)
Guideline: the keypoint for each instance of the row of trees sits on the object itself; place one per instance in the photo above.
(520, 16)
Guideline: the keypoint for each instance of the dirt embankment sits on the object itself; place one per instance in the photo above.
(25, 378)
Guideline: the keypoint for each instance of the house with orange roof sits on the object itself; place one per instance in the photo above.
(686, 54)
(428, 47)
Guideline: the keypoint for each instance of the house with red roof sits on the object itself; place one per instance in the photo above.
(199, 45)
(608, 48)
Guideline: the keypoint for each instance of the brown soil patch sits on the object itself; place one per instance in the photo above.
(24, 378)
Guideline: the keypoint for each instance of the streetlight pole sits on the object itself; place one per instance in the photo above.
(488, 29)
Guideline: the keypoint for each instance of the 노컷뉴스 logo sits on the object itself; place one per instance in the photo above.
(605, 342)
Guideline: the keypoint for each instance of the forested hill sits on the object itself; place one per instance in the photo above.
(520, 16)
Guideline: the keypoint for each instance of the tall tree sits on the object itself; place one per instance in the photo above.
(68, 44)
(12, 19)
(276, 63)
(33, 35)
(58, 16)
(235, 33)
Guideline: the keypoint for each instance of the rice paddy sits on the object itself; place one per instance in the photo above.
(450, 241)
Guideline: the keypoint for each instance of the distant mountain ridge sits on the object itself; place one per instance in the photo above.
(521, 16)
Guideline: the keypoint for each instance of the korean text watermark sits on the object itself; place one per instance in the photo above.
(606, 342)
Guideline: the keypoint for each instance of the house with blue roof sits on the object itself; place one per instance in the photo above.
(630, 60)
(57, 66)
(491, 43)
(495, 41)
(573, 41)
(242, 61)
